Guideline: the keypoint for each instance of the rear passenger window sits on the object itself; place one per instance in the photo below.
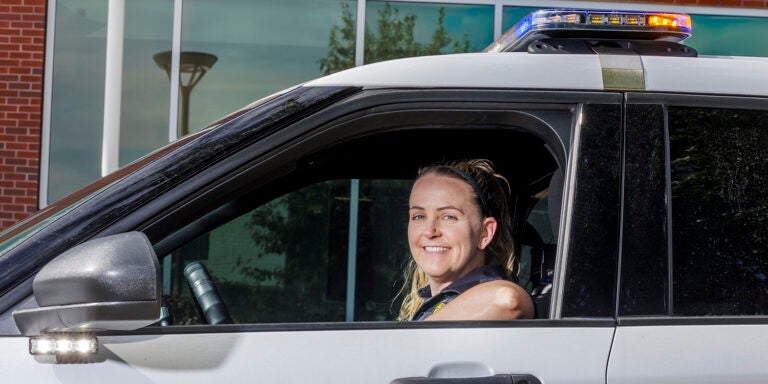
(719, 211)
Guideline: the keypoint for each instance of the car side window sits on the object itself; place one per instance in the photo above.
(289, 260)
(719, 211)
(313, 236)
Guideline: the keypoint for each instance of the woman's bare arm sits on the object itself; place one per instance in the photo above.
(494, 300)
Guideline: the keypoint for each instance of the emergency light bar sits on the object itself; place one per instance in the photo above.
(595, 24)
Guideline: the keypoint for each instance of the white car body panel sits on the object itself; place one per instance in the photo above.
(552, 354)
(688, 354)
(724, 75)
(360, 356)
(478, 70)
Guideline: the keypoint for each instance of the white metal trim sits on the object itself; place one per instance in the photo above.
(354, 205)
(113, 87)
(360, 33)
(566, 209)
(45, 129)
(173, 113)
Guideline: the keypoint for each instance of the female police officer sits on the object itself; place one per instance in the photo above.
(463, 265)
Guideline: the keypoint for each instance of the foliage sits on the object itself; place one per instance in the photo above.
(394, 38)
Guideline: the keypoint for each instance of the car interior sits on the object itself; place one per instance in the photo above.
(384, 164)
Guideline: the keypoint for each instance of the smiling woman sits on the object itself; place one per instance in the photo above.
(460, 236)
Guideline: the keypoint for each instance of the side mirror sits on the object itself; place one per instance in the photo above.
(110, 283)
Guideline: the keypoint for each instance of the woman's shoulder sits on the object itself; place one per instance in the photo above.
(491, 300)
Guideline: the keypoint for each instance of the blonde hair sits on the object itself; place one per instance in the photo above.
(492, 190)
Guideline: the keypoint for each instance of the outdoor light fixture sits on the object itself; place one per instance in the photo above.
(192, 68)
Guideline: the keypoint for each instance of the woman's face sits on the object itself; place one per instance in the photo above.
(446, 231)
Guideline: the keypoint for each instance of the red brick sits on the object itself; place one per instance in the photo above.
(29, 139)
(26, 201)
(26, 185)
(16, 146)
(33, 17)
(28, 124)
(10, 32)
(21, 40)
(26, 154)
(30, 108)
(29, 94)
(33, 32)
(14, 192)
(14, 161)
(23, 24)
(9, 16)
(16, 131)
(22, 9)
(13, 176)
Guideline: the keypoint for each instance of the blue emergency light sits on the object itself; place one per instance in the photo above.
(596, 24)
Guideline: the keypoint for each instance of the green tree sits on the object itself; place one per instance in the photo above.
(393, 39)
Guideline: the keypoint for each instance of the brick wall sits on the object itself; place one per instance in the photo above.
(22, 47)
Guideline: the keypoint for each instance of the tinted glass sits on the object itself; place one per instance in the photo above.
(401, 29)
(719, 161)
(645, 252)
(590, 281)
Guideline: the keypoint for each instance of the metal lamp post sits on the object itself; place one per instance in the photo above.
(192, 68)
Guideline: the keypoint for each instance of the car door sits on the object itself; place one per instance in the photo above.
(297, 219)
(693, 296)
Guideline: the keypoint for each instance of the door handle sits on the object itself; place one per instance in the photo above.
(495, 379)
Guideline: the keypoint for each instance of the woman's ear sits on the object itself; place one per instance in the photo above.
(488, 231)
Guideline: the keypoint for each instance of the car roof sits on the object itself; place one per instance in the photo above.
(726, 75)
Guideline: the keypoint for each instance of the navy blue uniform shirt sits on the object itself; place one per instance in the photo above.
(476, 276)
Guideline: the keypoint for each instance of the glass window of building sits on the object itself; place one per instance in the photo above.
(261, 47)
(400, 29)
(77, 103)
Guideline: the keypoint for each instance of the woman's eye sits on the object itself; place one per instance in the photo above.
(450, 217)
(417, 217)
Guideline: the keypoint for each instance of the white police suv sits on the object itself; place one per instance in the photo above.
(269, 247)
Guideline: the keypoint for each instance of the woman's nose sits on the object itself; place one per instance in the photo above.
(432, 229)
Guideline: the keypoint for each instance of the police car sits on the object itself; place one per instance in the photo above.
(269, 247)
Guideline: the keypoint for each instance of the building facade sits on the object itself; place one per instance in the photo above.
(84, 84)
